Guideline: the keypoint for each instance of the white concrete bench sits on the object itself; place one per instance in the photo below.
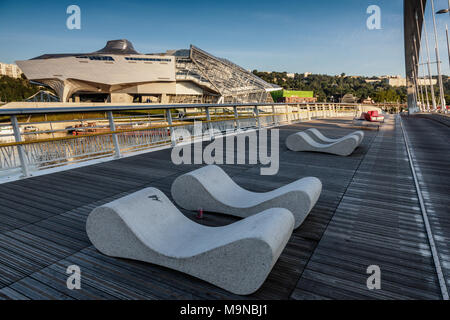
(301, 141)
(211, 189)
(146, 226)
(315, 133)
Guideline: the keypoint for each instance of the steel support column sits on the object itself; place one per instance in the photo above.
(20, 150)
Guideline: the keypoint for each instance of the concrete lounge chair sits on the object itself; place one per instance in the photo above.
(146, 226)
(211, 189)
(323, 139)
(301, 141)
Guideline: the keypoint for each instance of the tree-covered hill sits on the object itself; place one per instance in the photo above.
(12, 89)
(325, 87)
(329, 88)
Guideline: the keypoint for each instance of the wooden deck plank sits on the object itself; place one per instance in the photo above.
(378, 222)
(428, 142)
(367, 213)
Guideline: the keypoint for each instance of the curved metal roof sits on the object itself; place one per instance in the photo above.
(122, 46)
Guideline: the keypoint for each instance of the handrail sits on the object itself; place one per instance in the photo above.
(59, 149)
(105, 133)
(32, 110)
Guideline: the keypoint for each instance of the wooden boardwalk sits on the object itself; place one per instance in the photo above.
(368, 214)
(429, 142)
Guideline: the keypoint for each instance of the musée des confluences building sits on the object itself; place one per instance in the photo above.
(119, 74)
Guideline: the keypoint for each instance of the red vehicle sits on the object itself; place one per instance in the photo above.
(373, 116)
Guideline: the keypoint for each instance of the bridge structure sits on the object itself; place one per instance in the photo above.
(42, 96)
(421, 96)
(36, 139)
(386, 205)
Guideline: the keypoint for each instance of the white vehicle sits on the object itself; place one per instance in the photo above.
(6, 130)
(6, 134)
(30, 129)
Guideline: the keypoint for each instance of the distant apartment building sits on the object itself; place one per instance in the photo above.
(307, 74)
(426, 82)
(291, 75)
(10, 70)
(401, 82)
(396, 82)
(390, 77)
(373, 80)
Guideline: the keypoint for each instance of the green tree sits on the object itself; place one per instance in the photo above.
(12, 89)
(325, 86)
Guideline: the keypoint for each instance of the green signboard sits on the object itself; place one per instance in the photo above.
(300, 94)
(290, 93)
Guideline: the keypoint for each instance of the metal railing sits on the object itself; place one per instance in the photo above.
(30, 141)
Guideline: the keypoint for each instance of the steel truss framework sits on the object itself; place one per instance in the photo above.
(226, 81)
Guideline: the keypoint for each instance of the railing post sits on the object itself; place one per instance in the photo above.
(273, 115)
(208, 115)
(170, 122)
(209, 124)
(257, 117)
(112, 127)
(299, 109)
(236, 117)
(308, 110)
(288, 118)
(20, 151)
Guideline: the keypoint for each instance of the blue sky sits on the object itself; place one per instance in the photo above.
(319, 36)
